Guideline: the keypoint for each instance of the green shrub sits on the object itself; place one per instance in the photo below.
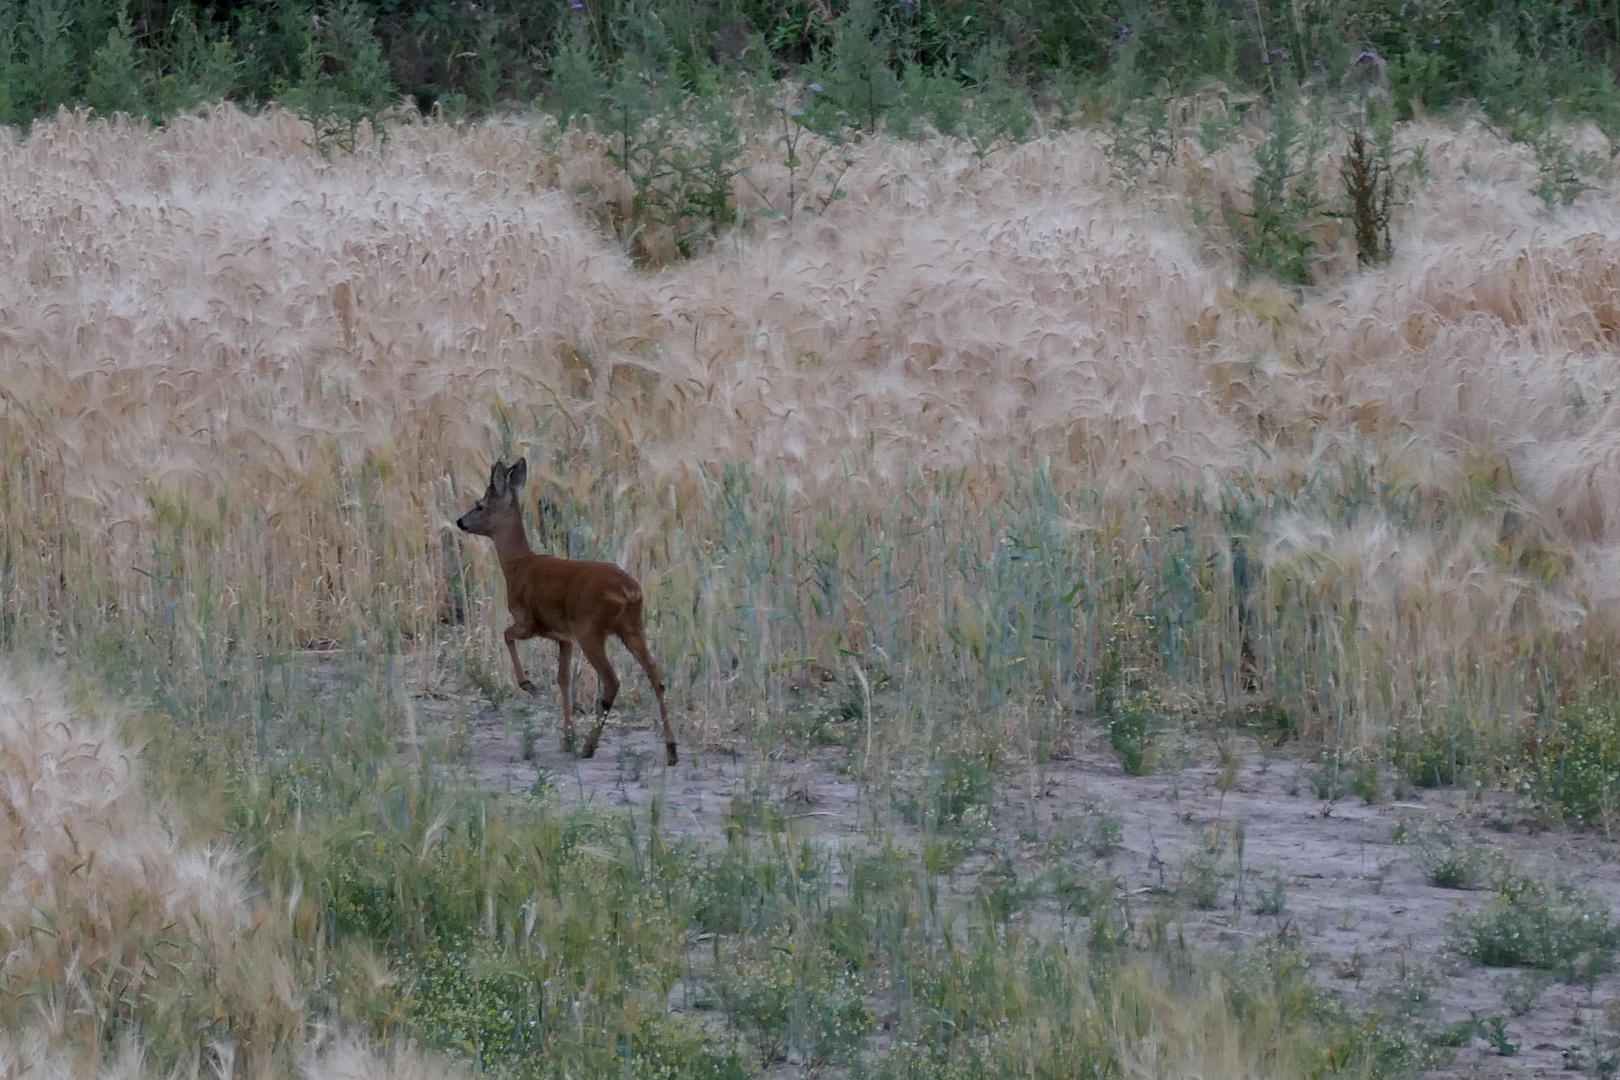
(1000, 110)
(1284, 204)
(955, 792)
(874, 57)
(858, 86)
(1435, 757)
(202, 65)
(1578, 762)
(1199, 880)
(1329, 781)
(1448, 864)
(343, 81)
(791, 994)
(1421, 79)
(935, 96)
(1555, 926)
(114, 84)
(1521, 991)
(1368, 783)
(578, 87)
(1131, 733)
(1080, 891)
(1274, 722)
(1562, 174)
(41, 69)
(1104, 830)
(1271, 895)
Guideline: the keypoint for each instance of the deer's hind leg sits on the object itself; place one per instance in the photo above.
(565, 695)
(636, 642)
(595, 650)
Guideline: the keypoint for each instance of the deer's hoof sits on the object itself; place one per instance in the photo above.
(529, 688)
(670, 755)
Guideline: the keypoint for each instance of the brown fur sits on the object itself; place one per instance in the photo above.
(571, 601)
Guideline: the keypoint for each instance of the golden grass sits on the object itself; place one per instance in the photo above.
(244, 391)
(126, 948)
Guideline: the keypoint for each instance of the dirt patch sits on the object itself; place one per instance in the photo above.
(1346, 874)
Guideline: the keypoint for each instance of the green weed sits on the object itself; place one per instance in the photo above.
(1270, 896)
(1451, 865)
(1284, 201)
(1200, 879)
(1368, 176)
(1521, 991)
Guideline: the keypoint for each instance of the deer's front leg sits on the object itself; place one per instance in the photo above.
(513, 636)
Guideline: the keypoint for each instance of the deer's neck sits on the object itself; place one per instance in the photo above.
(511, 546)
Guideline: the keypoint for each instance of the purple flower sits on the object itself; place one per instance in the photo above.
(1366, 54)
(815, 88)
(576, 5)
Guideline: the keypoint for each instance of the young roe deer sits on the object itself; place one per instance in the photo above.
(571, 601)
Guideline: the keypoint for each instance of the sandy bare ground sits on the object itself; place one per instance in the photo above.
(1356, 894)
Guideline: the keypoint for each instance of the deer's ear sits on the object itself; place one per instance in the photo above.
(497, 478)
(517, 474)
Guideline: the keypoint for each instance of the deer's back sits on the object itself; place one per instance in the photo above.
(573, 596)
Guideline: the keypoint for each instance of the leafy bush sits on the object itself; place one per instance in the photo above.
(1556, 926)
(935, 96)
(114, 83)
(1435, 757)
(1270, 897)
(955, 791)
(1563, 175)
(1131, 733)
(1448, 864)
(1522, 991)
(1284, 202)
(1104, 830)
(859, 87)
(343, 81)
(1421, 80)
(1578, 761)
(1330, 782)
(790, 994)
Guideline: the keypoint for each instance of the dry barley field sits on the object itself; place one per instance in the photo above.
(995, 480)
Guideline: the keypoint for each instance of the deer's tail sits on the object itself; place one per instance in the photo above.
(627, 595)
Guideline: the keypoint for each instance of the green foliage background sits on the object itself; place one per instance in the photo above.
(877, 58)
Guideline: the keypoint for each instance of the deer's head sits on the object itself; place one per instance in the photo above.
(500, 502)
